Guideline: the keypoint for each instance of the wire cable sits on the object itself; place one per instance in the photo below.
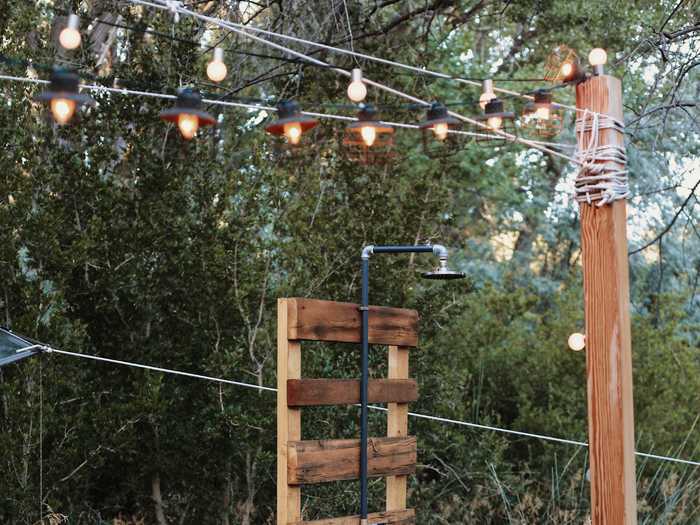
(423, 71)
(373, 407)
(259, 107)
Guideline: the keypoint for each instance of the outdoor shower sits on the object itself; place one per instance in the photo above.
(440, 272)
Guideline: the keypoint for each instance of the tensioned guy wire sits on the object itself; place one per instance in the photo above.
(373, 407)
(124, 91)
(177, 7)
(159, 369)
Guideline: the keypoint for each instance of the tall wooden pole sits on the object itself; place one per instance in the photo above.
(608, 338)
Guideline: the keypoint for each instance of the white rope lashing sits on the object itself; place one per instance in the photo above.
(600, 177)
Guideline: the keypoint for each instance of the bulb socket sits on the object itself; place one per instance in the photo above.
(73, 21)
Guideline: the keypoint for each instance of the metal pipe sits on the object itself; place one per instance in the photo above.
(441, 252)
(364, 386)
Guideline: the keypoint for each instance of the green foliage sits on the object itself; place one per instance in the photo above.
(119, 239)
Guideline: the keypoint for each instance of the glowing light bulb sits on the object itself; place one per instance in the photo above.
(369, 135)
(597, 56)
(357, 91)
(292, 131)
(542, 113)
(566, 69)
(69, 37)
(62, 109)
(577, 342)
(216, 69)
(494, 122)
(188, 124)
(487, 94)
(440, 129)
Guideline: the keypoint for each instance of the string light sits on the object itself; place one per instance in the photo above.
(437, 141)
(187, 113)
(598, 57)
(216, 69)
(577, 341)
(495, 118)
(357, 91)
(63, 97)
(69, 37)
(290, 123)
(540, 117)
(368, 132)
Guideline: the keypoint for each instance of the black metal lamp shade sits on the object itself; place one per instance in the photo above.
(437, 141)
(357, 148)
(288, 112)
(367, 117)
(189, 102)
(541, 117)
(15, 348)
(494, 119)
(63, 96)
(64, 84)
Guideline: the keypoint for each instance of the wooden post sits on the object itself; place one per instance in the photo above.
(608, 338)
(288, 419)
(397, 426)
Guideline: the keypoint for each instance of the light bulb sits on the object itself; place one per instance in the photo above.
(369, 135)
(597, 57)
(357, 91)
(292, 130)
(542, 113)
(566, 69)
(188, 125)
(69, 37)
(577, 342)
(494, 122)
(216, 69)
(62, 109)
(484, 99)
(440, 129)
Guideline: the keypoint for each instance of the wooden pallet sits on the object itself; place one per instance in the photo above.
(307, 462)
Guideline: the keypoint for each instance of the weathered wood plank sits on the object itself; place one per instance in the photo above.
(397, 426)
(288, 419)
(339, 459)
(608, 339)
(316, 320)
(401, 517)
(318, 392)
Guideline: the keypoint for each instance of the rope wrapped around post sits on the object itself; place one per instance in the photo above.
(603, 182)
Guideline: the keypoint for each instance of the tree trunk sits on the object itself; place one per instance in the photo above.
(157, 500)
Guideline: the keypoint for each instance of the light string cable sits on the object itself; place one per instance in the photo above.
(416, 415)
(259, 107)
(600, 177)
(351, 52)
(233, 27)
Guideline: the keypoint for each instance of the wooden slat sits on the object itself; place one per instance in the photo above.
(316, 320)
(288, 419)
(318, 392)
(338, 459)
(401, 517)
(397, 426)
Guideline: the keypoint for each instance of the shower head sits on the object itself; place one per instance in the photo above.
(443, 272)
